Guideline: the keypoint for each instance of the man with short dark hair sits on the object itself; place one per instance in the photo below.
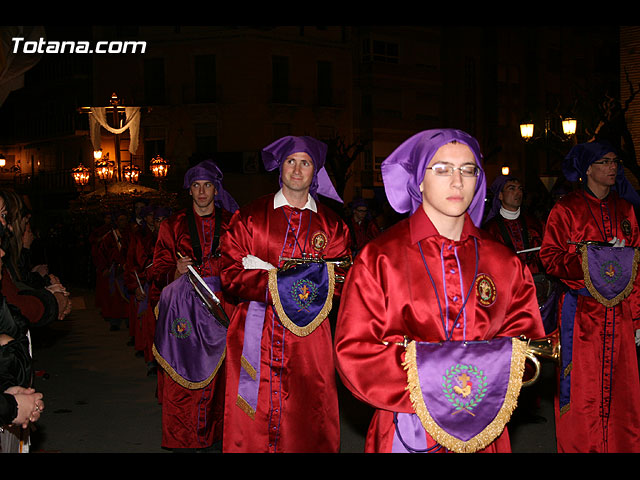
(189, 339)
(586, 246)
(281, 388)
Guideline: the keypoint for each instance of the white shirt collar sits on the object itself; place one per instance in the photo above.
(509, 215)
(279, 200)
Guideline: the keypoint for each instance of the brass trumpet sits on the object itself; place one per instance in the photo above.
(547, 347)
(339, 262)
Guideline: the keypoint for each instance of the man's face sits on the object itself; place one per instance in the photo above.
(203, 193)
(448, 196)
(511, 195)
(603, 172)
(121, 221)
(297, 172)
(157, 221)
(359, 213)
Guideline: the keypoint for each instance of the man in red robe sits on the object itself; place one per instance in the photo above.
(137, 270)
(510, 225)
(191, 414)
(281, 393)
(113, 253)
(433, 277)
(597, 407)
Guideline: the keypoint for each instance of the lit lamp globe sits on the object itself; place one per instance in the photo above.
(526, 130)
(131, 173)
(104, 169)
(80, 175)
(569, 126)
(159, 167)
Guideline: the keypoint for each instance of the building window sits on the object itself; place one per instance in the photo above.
(154, 91)
(205, 78)
(280, 79)
(325, 83)
(379, 51)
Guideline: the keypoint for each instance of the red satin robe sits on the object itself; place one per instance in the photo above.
(100, 264)
(136, 274)
(114, 253)
(297, 408)
(513, 228)
(388, 295)
(604, 412)
(190, 418)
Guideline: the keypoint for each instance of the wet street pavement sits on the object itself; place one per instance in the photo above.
(99, 398)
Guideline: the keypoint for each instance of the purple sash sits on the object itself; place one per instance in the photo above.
(609, 272)
(249, 380)
(463, 392)
(189, 343)
(302, 295)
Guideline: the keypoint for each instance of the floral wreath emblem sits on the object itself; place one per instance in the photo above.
(464, 386)
(485, 290)
(304, 292)
(319, 241)
(610, 272)
(181, 328)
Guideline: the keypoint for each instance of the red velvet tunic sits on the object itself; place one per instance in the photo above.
(604, 413)
(190, 418)
(388, 295)
(297, 408)
(137, 272)
(513, 228)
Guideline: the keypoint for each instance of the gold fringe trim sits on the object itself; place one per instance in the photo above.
(245, 407)
(491, 431)
(564, 409)
(244, 363)
(622, 295)
(285, 320)
(179, 379)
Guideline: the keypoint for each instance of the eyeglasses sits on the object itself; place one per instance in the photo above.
(444, 170)
(608, 162)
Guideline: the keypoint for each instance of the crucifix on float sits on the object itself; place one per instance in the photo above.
(119, 114)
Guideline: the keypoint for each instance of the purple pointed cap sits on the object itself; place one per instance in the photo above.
(580, 158)
(404, 170)
(273, 157)
(208, 170)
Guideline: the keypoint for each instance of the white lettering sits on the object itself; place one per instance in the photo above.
(68, 46)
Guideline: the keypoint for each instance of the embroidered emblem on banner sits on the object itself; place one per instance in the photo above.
(485, 290)
(464, 386)
(610, 272)
(464, 392)
(303, 293)
(181, 328)
(319, 241)
(626, 227)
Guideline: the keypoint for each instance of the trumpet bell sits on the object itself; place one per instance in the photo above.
(546, 348)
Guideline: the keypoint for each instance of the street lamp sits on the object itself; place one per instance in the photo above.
(569, 125)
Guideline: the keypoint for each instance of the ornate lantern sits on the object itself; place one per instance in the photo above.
(80, 175)
(105, 168)
(159, 167)
(131, 173)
